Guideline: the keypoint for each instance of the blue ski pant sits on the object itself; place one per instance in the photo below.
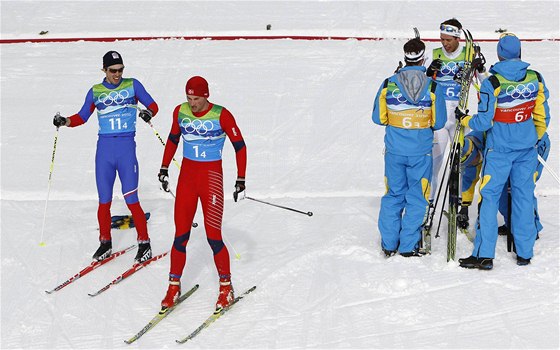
(405, 204)
(543, 150)
(116, 155)
(519, 166)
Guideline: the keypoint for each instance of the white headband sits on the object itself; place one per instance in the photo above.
(414, 56)
(449, 29)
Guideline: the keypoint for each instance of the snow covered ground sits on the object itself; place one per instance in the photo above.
(304, 108)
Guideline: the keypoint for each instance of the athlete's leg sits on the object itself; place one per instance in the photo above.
(212, 200)
(522, 206)
(128, 171)
(438, 154)
(185, 209)
(495, 171)
(418, 172)
(393, 202)
(105, 174)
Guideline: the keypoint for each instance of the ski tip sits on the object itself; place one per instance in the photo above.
(49, 291)
(91, 295)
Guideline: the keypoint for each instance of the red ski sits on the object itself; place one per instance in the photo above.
(129, 272)
(88, 269)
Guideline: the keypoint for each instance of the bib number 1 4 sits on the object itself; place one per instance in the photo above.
(196, 153)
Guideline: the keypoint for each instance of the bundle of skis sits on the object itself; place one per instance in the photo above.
(464, 77)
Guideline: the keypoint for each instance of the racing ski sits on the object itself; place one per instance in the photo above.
(128, 273)
(464, 231)
(464, 77)
(214, 317)
(88, 269)
(161, 315)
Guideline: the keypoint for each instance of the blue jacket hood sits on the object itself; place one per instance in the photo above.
(513, 69)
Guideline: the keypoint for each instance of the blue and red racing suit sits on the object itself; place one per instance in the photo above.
(116, 148)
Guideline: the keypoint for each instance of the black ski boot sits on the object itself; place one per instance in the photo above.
(503, 230)
(476, 263)
(104, 251)
(144, 252)
(463, 218)
(522, 261)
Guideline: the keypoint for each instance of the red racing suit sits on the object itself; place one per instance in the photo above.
(203, 135)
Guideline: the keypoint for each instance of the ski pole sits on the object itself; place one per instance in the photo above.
(41, 242)
(279, 206)
(163, 143)
(545, 164)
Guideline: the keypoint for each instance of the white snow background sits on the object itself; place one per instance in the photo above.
(304, 108)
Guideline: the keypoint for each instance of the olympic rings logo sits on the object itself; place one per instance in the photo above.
(113, 97)
(198, 126)
(398, 95)
(449, 68)
(521, 90)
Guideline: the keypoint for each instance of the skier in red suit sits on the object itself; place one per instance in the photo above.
(203, 126)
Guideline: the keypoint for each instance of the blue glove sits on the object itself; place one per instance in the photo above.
(542, 146)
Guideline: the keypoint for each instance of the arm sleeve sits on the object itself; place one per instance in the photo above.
(172, 140)
(228, 124)
(439, 108)
(144, 97)
(541, 112)
(483, 120)
(85, 112)
(379, 114)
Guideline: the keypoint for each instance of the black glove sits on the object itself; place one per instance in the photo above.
(479, 61)
(146, 115)
(541, 147)
(163, 177)
(239, 187)
(434, 67)
(478, 64)
(59, 120)
(459, 115)
(463, 218)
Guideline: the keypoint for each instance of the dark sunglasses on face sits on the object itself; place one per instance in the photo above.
(113, 70)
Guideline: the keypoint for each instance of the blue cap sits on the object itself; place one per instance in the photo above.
(509, 47)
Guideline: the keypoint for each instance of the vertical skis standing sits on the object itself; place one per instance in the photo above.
(464, 79)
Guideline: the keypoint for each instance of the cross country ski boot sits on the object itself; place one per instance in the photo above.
(503, 230)
(144, 252)
(472, 262)
(173, 293)
(463, 218)
(225, 298)
(104, 251)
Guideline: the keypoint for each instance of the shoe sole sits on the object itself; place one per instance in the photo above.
(480, 267)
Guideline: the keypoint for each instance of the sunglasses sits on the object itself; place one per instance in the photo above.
(448, 28)
(113, 70)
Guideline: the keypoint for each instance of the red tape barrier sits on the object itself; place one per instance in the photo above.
(238, 37)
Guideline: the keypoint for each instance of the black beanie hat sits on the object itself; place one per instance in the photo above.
(111, 58)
